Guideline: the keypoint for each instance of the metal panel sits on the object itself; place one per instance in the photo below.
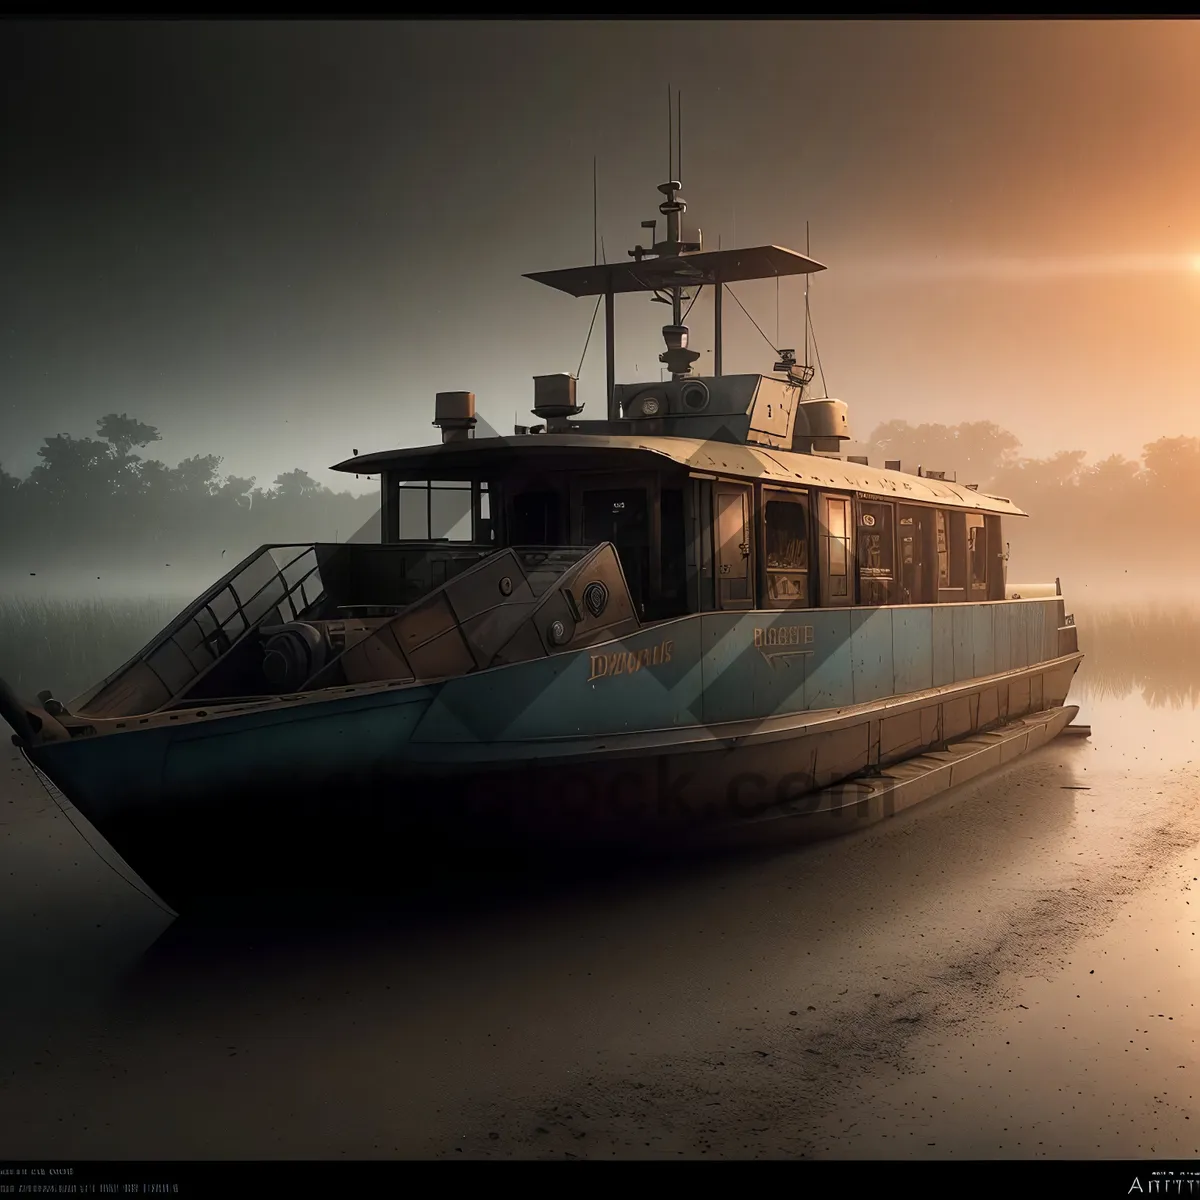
(983, 639)
(829, 672)
(900, 735)
(727, 666)
(873, 670)
(957, 717)
(1001, 638)
(1052, 617)
(650, 680)
(943, 644)
(358, 741)
(782, 644)
(1018, 633)
(912, 648)
(964, 656)
(1043, 636)
(1020, 697)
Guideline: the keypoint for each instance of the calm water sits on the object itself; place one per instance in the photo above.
(1008, 971)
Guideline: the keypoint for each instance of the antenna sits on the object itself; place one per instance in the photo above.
(595, 218)
(808, 254)
(670, 136)
(679, 133)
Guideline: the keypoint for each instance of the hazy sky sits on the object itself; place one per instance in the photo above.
(277, 241)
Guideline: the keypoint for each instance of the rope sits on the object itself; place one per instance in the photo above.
(587, 342)
(53, 792)
(817, 352)
(750, 318)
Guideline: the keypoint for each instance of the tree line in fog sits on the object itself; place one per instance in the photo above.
(98, 497)
(1122, 518)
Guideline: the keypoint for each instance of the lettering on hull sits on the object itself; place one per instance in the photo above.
(626, 662)
(783, 641)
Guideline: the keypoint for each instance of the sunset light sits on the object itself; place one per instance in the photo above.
(489, 673)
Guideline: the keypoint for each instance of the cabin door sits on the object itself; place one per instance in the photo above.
(618, 509)
(837, 550)
(918, 556)
(733, 545)
(977, 557)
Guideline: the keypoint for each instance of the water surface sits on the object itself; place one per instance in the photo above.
(1010, 970)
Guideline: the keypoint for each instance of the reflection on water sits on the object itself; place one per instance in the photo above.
(1151, 652)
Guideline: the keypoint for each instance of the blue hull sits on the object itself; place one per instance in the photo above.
(700, 719)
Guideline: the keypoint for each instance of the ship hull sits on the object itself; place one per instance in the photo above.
(346, 796)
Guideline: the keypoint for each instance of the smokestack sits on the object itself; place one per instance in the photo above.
(554, 401)
(454, 415)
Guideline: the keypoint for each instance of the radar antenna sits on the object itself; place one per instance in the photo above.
(677, 358)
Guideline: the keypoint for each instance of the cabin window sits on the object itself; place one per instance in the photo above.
(996, 559)
(953, 555)
(977, 555)
(978, 536)
(876, 552)
(536, 519)
(838, 546)
(437, 510)
(414, 511)
(673, 550)
(943, 549)
(450, 507)
(485, 526)
(837, 542)
(918, 563)
(875, 548)
(785, 521)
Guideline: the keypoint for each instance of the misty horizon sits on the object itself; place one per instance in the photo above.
(280, 273)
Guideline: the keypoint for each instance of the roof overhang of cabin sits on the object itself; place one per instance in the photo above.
(685, 270)
(478, 457)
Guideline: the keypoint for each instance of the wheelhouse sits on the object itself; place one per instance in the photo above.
(701, 526)
(719, 492)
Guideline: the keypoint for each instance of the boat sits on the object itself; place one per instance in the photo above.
(689, 615)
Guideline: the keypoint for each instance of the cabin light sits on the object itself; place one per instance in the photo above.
(650, 406)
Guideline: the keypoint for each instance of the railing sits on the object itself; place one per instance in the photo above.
(273, 586)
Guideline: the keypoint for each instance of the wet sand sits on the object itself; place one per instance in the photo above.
(1008, 971)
